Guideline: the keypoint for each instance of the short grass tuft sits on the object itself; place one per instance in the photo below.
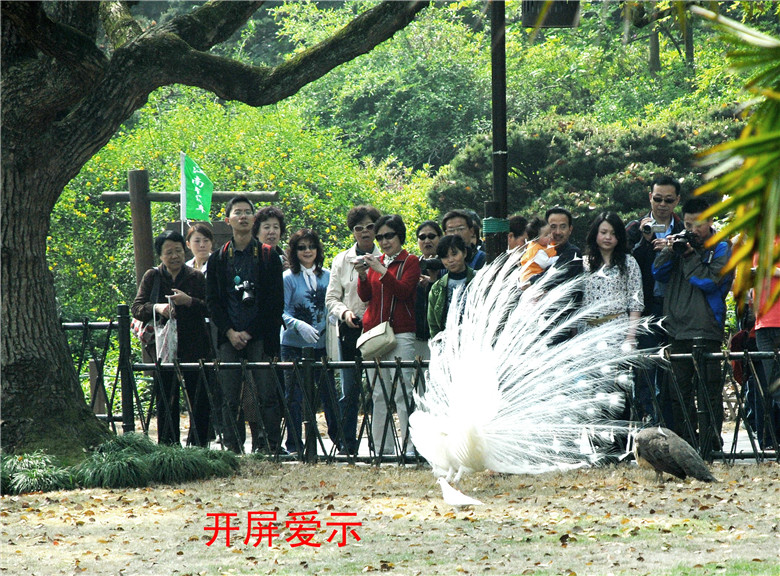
(132, 441)
(116, 469)
(173, 464)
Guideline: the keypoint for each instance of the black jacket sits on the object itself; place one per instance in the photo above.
(269, 296)
(643, 252)
(190, 320)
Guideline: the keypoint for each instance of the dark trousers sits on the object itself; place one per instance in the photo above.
(351, 382)
(765, 405)
(653, 380)
(168, 412)
(325, 385)
(262, 394)
(699, 405)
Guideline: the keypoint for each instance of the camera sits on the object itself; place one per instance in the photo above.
(681, 241)
(247, 290)
(359, 260)
(653, 228)
(428, 265)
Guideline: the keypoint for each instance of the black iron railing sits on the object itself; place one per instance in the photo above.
(99, 340)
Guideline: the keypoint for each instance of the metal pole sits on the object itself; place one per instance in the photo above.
(125, 369)
(141, 216)
(498, 80)
(308, 390)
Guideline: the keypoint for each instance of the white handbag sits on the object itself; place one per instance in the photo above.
(376, 342)
(380, 339)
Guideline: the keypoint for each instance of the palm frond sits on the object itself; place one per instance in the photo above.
(746, 171)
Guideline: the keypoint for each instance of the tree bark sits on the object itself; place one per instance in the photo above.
(654, 64)
(62, 100)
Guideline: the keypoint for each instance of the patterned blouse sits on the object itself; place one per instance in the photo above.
(619, 294)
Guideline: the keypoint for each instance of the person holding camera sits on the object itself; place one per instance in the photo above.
(174, 290)
(647, 237)
(347, 309)
(695, 312)
(388, 284)
(245, 299)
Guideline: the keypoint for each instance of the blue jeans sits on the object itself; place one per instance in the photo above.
(324, 383)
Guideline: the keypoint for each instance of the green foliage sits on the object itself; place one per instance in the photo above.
(174, 464)
(35, 472)
(126, 461)
(113, 469)
(133, 442)
(579, 164)
(414, 97)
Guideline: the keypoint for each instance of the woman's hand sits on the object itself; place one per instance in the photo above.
(374, 263)
(181, 298)
(163, 310)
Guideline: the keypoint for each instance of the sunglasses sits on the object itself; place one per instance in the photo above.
(388, 236)
(360, 228)
(426, 236)
(659, 199)
(303, 247)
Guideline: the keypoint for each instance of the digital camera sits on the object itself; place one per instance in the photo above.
(653, 228)
(681, 241)
(247, 290)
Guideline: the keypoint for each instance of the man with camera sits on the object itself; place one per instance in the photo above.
(695, 312)
(646, 237)
(245, 299)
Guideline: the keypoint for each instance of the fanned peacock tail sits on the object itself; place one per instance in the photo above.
(506, 391)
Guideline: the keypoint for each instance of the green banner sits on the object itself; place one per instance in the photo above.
(196, 189)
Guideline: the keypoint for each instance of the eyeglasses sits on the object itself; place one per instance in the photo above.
(659, 199)
(457, 230)
(360, 228)
(241, 213)
(304, 247)
(427, 236)
(388, 236)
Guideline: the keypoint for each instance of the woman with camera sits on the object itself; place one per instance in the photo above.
(388, 284)
(174, 290)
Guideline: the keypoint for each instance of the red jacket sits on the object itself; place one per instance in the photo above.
(378, 292)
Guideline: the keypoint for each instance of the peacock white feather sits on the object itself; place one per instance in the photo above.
(506, 392)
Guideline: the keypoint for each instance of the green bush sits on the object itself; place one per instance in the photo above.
(36, 472)
(113, 469)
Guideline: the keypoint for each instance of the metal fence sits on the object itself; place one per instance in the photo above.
(99, 340)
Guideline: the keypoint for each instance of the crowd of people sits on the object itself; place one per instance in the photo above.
(252, 301)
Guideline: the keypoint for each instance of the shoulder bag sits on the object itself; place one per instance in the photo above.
(144, 331)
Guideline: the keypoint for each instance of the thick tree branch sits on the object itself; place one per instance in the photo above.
(212, 23)
(64, 43)
(174, 62)
(118, 23)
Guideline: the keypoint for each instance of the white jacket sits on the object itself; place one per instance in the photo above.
(342, 288)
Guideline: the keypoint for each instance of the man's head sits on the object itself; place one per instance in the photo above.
(452, 252)
(460, 223)
(516, 236)
(692, 210)
(239, 214)
(664, 197)
(560, 222)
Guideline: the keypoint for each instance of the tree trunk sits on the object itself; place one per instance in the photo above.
(655, 52)
(688, 37)
(43, 403)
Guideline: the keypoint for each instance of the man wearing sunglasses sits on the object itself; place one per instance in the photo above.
(647, 237)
